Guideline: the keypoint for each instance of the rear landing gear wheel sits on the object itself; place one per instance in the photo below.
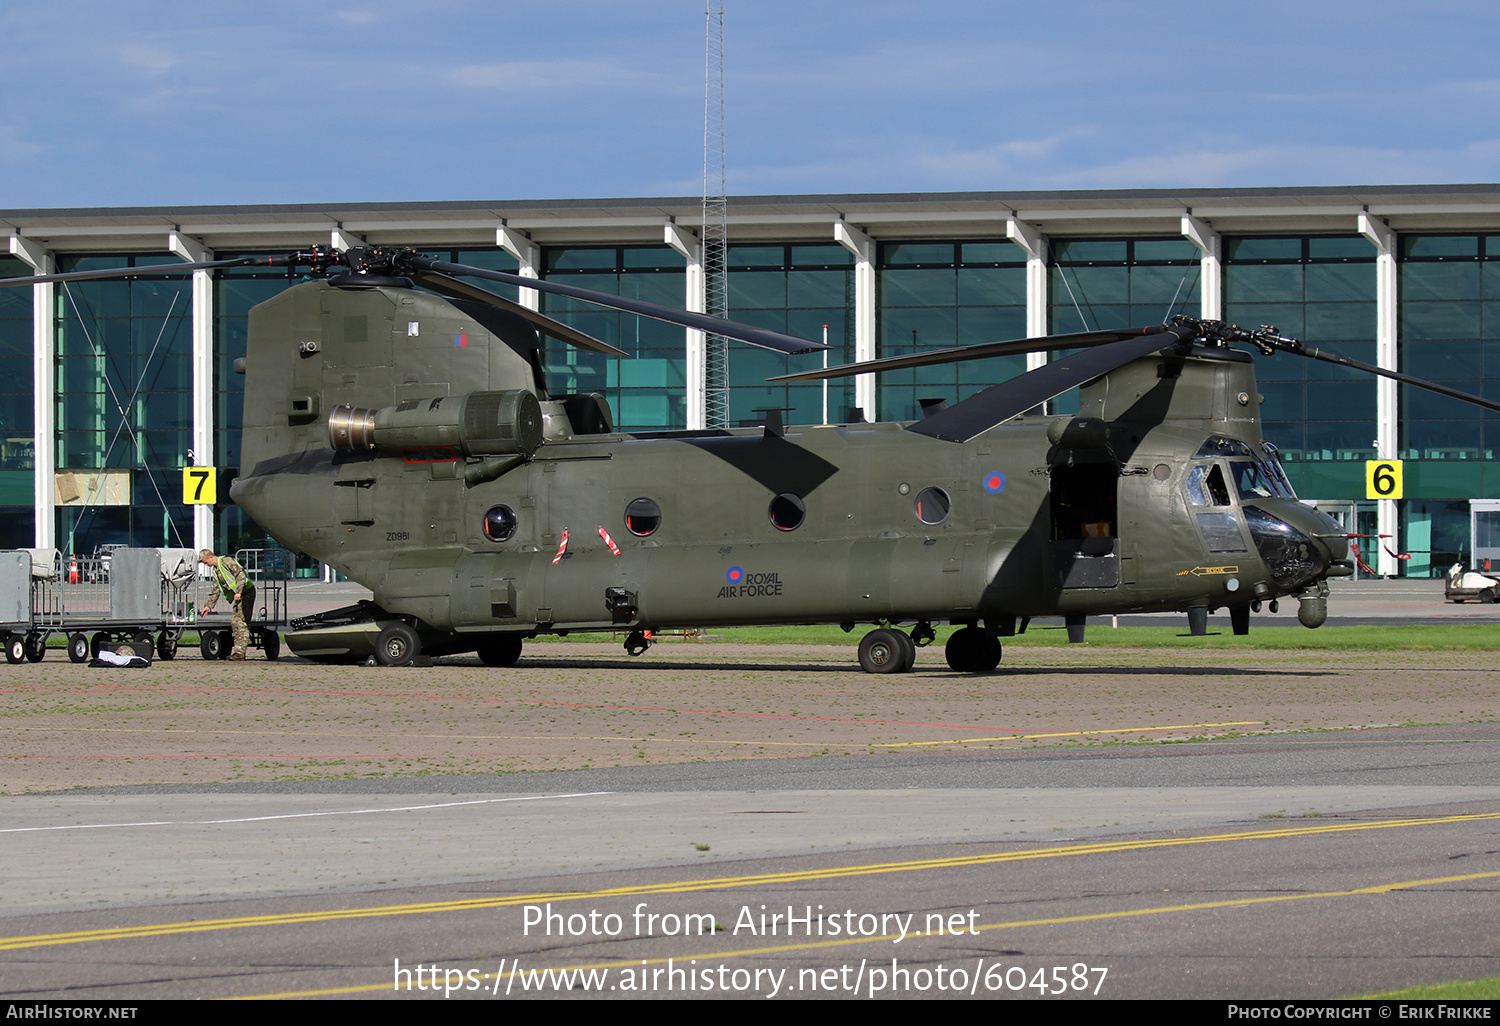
(883, 651)
(397, 645)
(500, 650)
(971, 650)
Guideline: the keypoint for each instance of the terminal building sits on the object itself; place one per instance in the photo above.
(109, 388)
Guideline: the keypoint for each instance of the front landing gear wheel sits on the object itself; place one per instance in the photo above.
(397, 645)
(971, 650)
(884, 650)
(637, 642)
(500, 650)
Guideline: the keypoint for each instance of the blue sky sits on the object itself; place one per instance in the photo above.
(321, 101)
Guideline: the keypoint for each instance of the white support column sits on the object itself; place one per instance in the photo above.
(689, 245)
(1035, 244)
(529, 255)
(344, 241)
(863, 248)
(1387, 398)
(1211, 281)
(44, 387)
(193, 251)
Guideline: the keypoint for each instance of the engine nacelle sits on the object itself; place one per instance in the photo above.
(477, 424)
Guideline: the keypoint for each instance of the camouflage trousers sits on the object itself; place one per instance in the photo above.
(239, 619)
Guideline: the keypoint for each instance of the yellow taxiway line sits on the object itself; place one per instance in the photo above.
(721, 883)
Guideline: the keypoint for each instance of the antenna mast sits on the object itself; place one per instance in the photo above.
(715, 219)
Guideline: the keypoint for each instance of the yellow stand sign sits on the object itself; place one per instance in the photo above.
(200, 485)
(1383, 479)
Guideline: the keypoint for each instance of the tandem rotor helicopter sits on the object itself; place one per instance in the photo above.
(398, 427)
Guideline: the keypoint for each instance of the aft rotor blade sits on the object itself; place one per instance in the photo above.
(981, 351)
(999, 403)
(761, 337)
(456, 289)
(136, 272)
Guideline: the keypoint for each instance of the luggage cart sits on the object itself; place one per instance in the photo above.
(148, 597)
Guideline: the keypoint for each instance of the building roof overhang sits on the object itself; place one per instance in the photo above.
(1129, 212)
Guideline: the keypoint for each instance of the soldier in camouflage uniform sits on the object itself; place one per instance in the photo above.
(230, 579)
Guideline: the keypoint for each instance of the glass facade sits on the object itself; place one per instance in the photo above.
(123, 405)
(798, 290)
(123, 401)
(647, 390)
(1098, 284)
(17, 433)
(936, 295)
(1319, 289)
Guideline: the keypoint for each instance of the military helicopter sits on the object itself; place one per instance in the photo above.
(399, 428)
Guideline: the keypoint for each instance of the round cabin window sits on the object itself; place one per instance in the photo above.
(787, 511)
(500, 523)
(932, 505)
(642, 517)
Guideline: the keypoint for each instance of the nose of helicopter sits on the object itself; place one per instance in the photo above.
(1298, 544)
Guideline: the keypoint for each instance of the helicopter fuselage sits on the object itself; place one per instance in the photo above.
(467, 522)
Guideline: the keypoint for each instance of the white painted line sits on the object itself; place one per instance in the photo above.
(300, 815)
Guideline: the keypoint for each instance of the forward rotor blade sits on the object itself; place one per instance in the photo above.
(136, 272)
(761, 337)
(981, 351)
(456, 289)
(1405, 379)
(999, 403)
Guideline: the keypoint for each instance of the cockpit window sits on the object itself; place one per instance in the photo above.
(1252, 481)
(1218, 445)
(1206, 486)
(1278, 472)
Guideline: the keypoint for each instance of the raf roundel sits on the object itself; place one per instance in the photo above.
(735, 575)
(994, 482)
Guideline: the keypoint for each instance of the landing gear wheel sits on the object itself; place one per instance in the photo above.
(500, 650)
(211, 644)
(36, 647)
(78, 648)
(270, 644)
(397, 645)
(166, 646)
(971, 650)
(15, 649)
(882, 651)
(908, 650)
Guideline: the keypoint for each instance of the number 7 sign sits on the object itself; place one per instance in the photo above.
(200, 485)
